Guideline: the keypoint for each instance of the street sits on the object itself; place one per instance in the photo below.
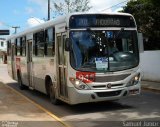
(144, 107)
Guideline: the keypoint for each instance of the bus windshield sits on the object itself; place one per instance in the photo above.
(104, 51)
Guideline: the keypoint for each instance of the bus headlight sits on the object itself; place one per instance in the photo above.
(134, 80)
(79, 84)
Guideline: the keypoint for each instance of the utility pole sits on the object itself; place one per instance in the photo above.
(48, 9)
(15, 27)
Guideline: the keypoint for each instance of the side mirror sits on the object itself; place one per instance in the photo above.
(140, 42)
(67, 44)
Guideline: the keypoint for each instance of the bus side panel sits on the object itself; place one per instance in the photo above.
(38, 73)
(42, 67)
(14, 71)
(13, 63)
(23, 70)
(9, 66)
(51, 69)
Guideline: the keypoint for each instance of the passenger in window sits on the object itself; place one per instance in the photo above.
(111, 49)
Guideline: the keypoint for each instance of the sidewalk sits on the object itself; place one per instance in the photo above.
(16, 108)
(150, 85)
(4, 77)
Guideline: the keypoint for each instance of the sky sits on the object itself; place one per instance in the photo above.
(29, 13)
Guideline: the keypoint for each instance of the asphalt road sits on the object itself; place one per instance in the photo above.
(145, 107)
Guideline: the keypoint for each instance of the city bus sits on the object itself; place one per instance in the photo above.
(78, 58)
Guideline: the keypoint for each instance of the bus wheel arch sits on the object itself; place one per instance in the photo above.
(50, 89)
(47, 80)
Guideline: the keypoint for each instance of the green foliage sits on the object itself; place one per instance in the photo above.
(147, 15)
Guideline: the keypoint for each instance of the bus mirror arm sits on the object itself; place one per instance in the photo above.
(67, 44)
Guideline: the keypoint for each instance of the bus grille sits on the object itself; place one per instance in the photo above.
(108, 94)
(105, 86)
(112, 78)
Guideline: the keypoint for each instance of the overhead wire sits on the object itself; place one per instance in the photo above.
(114, 5)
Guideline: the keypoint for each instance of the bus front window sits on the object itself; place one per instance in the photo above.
(96, 51)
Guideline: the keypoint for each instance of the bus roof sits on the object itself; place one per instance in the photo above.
(41, 26)
(60, 19)
(107, 13)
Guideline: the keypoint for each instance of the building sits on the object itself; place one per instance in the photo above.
(3, 51)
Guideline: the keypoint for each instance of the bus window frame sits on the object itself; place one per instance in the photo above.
(47, 41)
(36, 43)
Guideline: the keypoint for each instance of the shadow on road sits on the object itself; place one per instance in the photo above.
(40, 98)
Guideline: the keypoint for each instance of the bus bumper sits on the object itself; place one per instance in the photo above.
(84, 96)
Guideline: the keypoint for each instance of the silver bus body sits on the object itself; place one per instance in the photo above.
(37, 70)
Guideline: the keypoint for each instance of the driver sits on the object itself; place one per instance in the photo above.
(111, 48)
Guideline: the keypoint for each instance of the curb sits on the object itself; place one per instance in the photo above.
(151, 89)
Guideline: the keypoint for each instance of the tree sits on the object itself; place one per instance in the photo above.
(147, 15)
(69, 6)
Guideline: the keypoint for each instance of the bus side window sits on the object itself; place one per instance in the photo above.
(35, 44)
(23, 46)
(39, 43)
(50, 42)
(18, 47)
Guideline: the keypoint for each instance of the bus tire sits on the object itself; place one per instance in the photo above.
(21, 86)
(52, 94)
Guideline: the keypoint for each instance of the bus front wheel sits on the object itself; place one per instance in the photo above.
(52, 94)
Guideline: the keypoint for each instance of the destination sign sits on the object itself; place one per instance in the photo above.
(82, 21)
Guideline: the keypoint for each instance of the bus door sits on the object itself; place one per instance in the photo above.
(62, 68)
(13, 60)
(29, 63)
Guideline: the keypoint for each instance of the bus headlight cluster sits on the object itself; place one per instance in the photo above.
(79, 84)
(134, 80)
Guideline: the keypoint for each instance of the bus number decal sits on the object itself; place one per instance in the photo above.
(86, 77)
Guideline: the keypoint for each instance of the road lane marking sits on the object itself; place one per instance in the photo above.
(40, 107)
